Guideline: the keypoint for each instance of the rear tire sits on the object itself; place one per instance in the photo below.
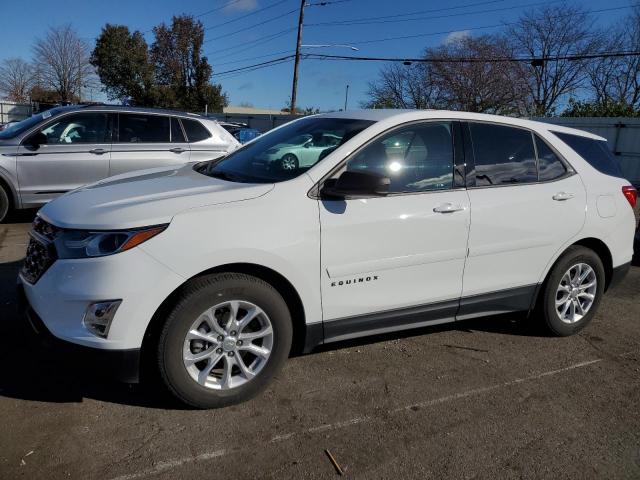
(4, 203)
(572, 292)
(239, 359)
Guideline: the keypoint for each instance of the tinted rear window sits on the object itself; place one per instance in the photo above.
(194, 130)
(136, 128)
(596, 152)
(503, 155)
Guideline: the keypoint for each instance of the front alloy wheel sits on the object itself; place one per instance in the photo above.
(289, 162)
(226, 336)
(228, 345)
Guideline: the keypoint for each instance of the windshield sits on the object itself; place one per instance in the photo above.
(284, 154)
(21, 127)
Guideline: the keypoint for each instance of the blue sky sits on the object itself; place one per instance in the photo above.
(321, 83)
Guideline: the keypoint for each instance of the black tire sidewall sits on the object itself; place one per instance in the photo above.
(4, 203)
(573, 256)
(201, 295)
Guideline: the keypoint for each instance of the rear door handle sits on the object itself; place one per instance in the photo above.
(177, 150)
(448, 208)
(98, 151)
(561, 196)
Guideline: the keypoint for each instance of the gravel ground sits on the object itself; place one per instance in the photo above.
(487, 399)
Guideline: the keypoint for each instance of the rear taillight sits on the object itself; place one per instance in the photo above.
(631, 194)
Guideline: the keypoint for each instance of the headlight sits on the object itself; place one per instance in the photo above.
(83, 243)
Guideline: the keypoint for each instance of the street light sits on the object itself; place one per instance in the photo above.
(355, 49)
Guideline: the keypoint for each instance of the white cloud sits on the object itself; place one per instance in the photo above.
(456, 36)
(241, 6)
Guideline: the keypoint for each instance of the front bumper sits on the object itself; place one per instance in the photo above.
(61, 296)
(122, 365)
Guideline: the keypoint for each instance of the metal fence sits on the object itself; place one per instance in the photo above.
(622, 134)
(261, 122)
(13, 112)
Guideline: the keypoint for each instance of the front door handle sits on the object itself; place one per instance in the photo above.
(448, 208)
(98, 151)
(177, 150)
(561, 196)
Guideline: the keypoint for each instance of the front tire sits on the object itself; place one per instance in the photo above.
(573, 291)
(224, 340)
(4, 203)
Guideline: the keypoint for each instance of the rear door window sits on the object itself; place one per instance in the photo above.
(195, 130)
(140, 128)
(550, 166)
(503, 155)
(595, 152)
(177, 136)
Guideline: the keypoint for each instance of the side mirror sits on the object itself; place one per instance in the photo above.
(307, 145)
(356, 184)
(35, 140)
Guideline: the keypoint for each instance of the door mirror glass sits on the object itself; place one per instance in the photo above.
(356, 184)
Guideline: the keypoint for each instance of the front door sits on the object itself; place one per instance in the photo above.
(66, 153)
(396, 261)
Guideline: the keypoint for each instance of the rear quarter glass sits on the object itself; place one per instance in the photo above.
(595, 152)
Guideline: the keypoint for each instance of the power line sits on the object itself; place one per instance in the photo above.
(255, 58)
(431, 17)
(417, 12)
(218, 8)
(256, 66)
(420, 35)
(555, 58)
(264, 39)
(249, 27)
(246, 15)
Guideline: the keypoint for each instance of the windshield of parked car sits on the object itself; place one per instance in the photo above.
(281, 154)
(21, 127)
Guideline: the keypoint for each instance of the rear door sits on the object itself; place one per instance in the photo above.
(206, 144)
(72, 150)
(526, 203)
(146, 141)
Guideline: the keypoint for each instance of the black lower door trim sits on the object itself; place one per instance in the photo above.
(389, 321)
(503, 301)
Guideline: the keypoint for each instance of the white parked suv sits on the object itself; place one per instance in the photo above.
(216, 271)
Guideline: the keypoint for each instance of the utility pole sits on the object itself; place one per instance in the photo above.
(294, 87)
(346, 97)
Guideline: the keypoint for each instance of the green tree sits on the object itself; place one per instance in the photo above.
(181, 68)
(604, 108)
(122, 62)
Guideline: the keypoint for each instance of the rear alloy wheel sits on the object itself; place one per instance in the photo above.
(4, 203)
(289, 162)
(224, 340)
(573, 291)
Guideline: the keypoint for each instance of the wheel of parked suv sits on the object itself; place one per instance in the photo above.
(226, 337)
(289, 162)
(4, 203)
(573, 291)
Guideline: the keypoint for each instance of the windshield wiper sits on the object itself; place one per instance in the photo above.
(230, 177)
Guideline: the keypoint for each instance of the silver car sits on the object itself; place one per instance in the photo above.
(64, 148)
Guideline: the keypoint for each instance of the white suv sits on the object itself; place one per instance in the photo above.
(215, 271)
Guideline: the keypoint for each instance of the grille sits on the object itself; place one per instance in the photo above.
(40, 256)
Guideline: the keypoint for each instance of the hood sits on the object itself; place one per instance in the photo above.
(148, 197)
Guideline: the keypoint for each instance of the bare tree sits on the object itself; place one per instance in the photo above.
(404, 86)
(553, 31)
(16, 79)
(62, 60)
(474, 74)
(617, 79)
